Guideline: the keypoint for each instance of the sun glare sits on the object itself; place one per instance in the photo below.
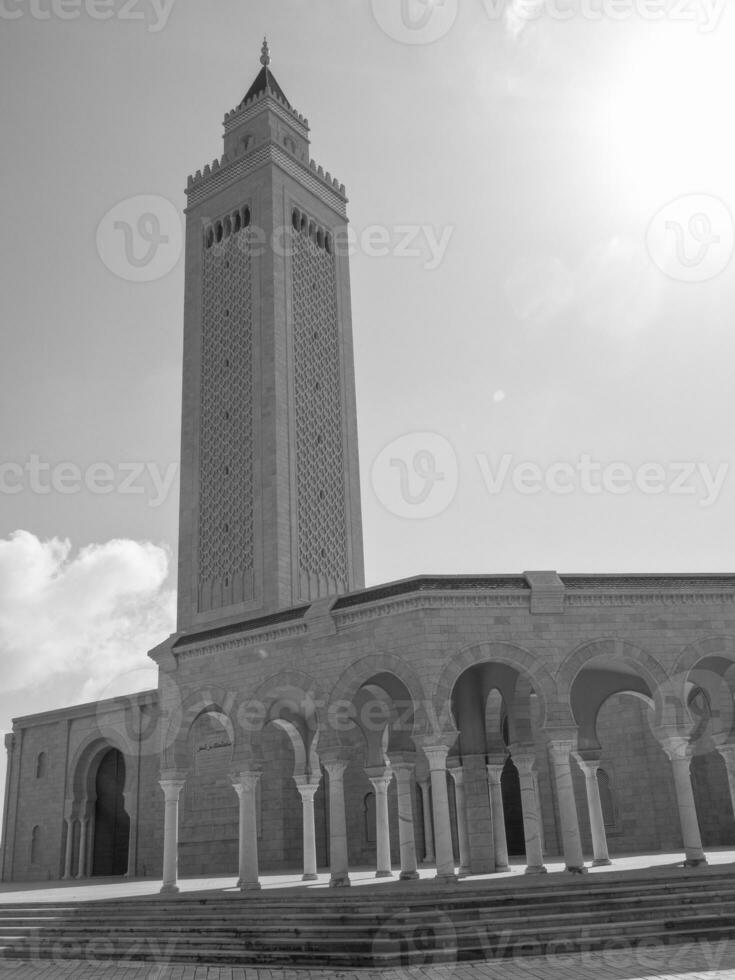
(670, 111)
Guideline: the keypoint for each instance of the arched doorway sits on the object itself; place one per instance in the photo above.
(111, 822)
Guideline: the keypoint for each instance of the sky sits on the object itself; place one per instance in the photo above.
(541, 195)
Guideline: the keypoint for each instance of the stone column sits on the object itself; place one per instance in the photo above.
(90, 838)
(437, 759)
(83, 825)
(307, 787)
(404, 785)
(597, 822)
(380, 777)
(495, 790)
(70, 821)
(525, 763)
(457, 773)
(428, 824)
(561, 750)
(338, 862)
(679, 751)
(245, 785)
(728, 754)
(171, 786)
(478, 815)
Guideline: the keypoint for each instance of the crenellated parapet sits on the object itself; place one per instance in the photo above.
(231, 167)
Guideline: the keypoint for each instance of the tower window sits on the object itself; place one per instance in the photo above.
(245, 217)
(41, 766)
(295, 219)
(209, 238)
(237, 224)
(218, 232)
(228, 227)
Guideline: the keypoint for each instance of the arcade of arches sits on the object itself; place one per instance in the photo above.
(465, 760)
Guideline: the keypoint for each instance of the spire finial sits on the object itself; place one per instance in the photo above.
(265, 55)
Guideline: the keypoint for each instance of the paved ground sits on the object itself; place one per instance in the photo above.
(691, 962)
(674, 963)
(96, 889)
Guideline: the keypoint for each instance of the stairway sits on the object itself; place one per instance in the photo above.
(401, 924)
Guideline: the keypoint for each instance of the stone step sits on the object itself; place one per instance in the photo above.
(376, 926)
(237, 924)
(389, 953)
(441, 926)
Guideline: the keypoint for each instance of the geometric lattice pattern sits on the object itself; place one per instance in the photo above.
(226, 437)
(320, 463)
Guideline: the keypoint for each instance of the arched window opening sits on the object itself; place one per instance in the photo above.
(41, 766)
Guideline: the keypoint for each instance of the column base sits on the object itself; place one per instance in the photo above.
(309, 877)
(449, 878)
(248, 886)
(695, 862)
(536, 869)
(383, 874)
(341, 881)
(500, 868)
(464, 872)
(169, 890)
(429, 859)
(576, 871)
(601, 863)
(408, 876)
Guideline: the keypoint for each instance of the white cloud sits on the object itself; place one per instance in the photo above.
(88, 618)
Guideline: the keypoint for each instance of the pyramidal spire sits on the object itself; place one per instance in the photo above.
(266, 80)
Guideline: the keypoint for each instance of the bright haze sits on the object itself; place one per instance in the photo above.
(542, 294)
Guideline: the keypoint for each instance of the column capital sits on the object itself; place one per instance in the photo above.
(307, 786)
(677, 748)
(335, 767)
(589, 766)
(245, 782)
(494, 772)
(446, 738)
(436, 756)
(457, 772)
(172, 787)
(561, 748)
(524, 760)
(379, 776)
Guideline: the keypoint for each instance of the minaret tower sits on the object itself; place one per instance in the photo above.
(270, 494)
